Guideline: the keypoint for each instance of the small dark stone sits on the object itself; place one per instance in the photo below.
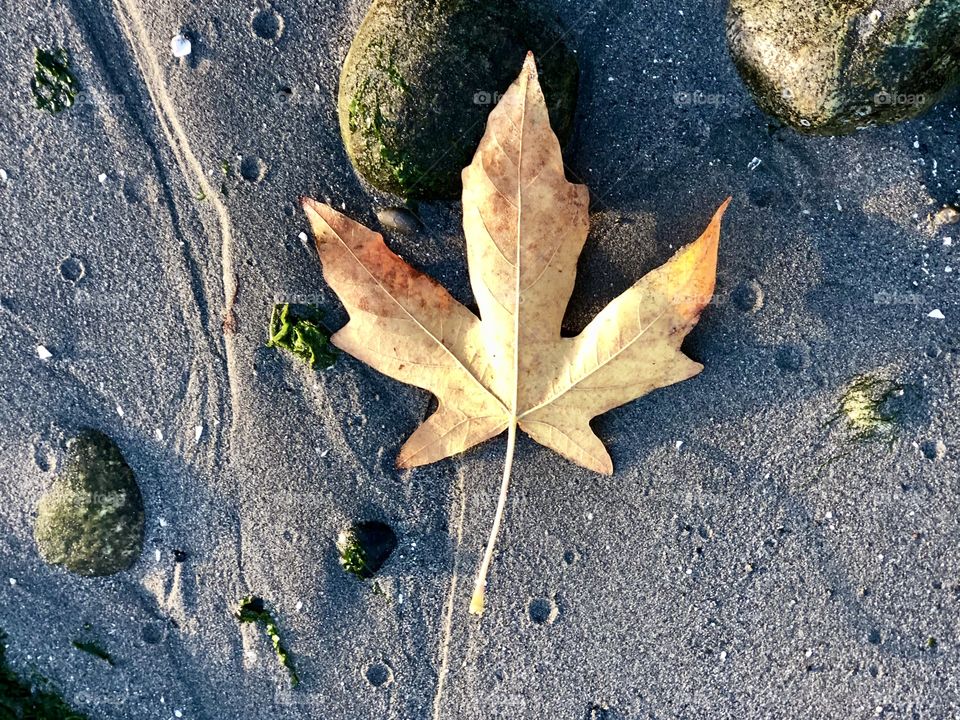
(833, 66)
(180, 555)
(421, 77)
(873, 637)
(91, 520)
(399, 220)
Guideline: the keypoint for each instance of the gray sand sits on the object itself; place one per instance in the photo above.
(767, 568)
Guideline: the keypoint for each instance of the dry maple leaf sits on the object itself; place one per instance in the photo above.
(525, 227)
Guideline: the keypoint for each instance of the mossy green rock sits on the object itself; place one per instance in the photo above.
(421, 77)
(834, 66)
(91, 519)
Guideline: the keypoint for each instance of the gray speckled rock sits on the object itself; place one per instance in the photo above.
(91, 519)
(833, 66)
(422, 76)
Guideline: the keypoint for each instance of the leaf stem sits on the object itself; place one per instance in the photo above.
(480, 584)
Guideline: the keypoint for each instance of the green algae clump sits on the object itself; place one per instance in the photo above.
(53, 86)
(866, 407)
(252, 609)
(22, 700)
(91, 520)
(300, 330)
(364, 547)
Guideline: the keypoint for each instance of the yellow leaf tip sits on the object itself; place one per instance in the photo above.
(477, 602)
(723, 206)
(530, 65)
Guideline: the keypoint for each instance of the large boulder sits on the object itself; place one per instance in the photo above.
(833, 66)
(91, 520)
(421, 77)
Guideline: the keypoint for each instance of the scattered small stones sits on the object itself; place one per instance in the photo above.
(421, 78)
(365, 546)
(398, 220)
(829, 66)
(180, 46)
(91, 520)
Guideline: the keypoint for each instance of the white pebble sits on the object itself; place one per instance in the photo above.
(102, 177)
(936, 314)
(156, 555)
(180, 46)
(198, 433)
(158, 433)
(3, 175)
(162, 521)
(754, 164)
(947, 241)
(679, 444)
(723, 655)
(299, 606)
(43, 353)
(177, 713)
(119, 411)
(13, 581)
(302, 236)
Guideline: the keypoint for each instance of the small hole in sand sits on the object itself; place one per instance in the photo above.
(151, 633)
(267, 24)
(72, 269)
(378, 674)
(542, 611)
(253, 169)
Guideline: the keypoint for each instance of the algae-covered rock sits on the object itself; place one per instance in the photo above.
(91, 519)
(421, 77)
(833, 66)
